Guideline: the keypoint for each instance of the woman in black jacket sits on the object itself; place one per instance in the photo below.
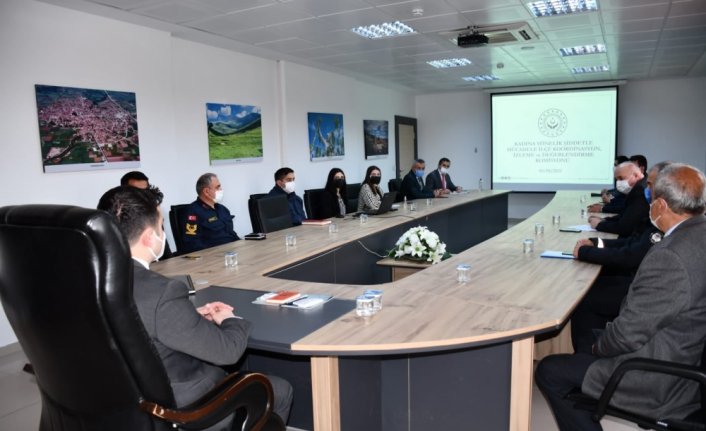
(335, 198)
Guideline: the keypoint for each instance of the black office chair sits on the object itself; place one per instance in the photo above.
(252, 210)
(269, 213)
(601, 407)
(313, 203)
(177, 216)
(76, 321)
(353, 190)
(395, 185)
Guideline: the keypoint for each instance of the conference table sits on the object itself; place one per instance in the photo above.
(440, 354)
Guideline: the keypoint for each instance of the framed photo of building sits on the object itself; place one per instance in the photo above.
(84, 129)
(325, 136)
(234, 133)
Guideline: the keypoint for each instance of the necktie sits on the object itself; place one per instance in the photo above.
(443, 181)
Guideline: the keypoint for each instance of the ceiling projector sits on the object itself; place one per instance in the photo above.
(470, 40)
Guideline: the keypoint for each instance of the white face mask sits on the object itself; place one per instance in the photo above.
(289, 187)
(163, 240)
(654, 221)
(219, 196)
(623, 186)
(443, 170)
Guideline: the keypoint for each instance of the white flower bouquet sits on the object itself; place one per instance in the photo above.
(419, 243)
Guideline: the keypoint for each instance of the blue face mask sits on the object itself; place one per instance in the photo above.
(419, 173)
(648, 195)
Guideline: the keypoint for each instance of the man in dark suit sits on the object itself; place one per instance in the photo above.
(440, 179)
(662, 317)
(634, 216)
(620, 258)
(191, 342)
(413, 185)
(284, 185)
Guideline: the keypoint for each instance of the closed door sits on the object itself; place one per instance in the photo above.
(405, 144)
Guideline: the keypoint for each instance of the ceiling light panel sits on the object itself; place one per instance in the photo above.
(590, 69)
(481, 78)
(561, 7)
(449, 62)
(582, 50)
(386, 29)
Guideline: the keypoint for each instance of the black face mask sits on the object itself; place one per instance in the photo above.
(339, 183)
(374, 180)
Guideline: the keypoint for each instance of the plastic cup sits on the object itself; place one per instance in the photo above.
(364, 306)
(538, 229)
(463, 273)
(231, 259)
(528, 245)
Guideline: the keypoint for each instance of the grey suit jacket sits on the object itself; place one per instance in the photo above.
(662, 317)
(189, 345)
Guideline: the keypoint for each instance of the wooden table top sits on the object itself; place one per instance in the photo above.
(511, 294)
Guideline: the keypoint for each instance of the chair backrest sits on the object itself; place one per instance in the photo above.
(254, 215)
(353, 190)
(273, 213)
(177, 215)
(313, 203)
(395, 185)
(76, 319)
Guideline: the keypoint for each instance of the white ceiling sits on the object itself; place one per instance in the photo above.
(644, 38)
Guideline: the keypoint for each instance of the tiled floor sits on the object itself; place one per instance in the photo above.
(20, 405)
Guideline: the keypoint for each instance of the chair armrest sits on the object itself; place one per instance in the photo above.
(643, 364)
(252, 392)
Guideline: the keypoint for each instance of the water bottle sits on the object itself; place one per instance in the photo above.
(480, 185)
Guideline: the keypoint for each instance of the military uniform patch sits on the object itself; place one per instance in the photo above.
(212, 219)
(191, 229)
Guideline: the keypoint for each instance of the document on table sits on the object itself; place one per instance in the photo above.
(557, 254)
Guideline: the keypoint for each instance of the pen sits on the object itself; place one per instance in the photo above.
(563, 253)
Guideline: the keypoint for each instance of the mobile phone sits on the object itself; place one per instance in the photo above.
(255, 236)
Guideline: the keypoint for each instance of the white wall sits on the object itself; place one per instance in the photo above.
(456, 126)
(173, 80)
(661, 119)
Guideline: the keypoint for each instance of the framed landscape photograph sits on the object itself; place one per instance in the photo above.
(234, 133)
(325, 136)
(83, 129)
(376, 138)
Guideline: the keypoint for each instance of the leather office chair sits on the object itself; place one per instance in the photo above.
(270, 213)
(252, 210)
(177, 215)
(353, 190)
(395, 185)
(74, 316)
(601, 407)
(313, 199)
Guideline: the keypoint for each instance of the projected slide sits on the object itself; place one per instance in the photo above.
(554, 140)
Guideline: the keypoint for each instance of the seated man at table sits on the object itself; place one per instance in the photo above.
(208, 223)
(612, 201)
(663, 317)
(135, 179)
(634, 216)
(413, 184)
(191, 342)
(441, 180)
(284, 185)
(620, 259)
